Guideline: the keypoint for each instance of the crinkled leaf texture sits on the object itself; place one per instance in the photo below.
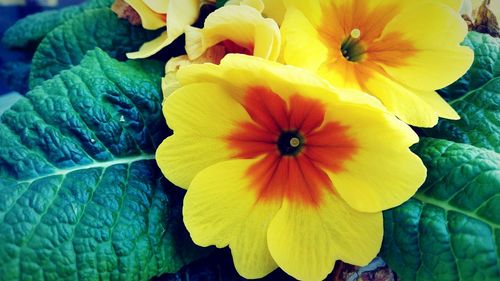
(480, 118)
(81, 197)
(66, 45)
(32, 29)
(450, 230)
(485, 67)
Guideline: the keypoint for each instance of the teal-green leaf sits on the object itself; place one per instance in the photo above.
(32, 29)
(450, 230)
(220, 3)
(66, 45)
(486, 65)
(480, 118)
(81, 197)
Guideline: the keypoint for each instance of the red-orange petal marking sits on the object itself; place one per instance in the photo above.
(301, 177)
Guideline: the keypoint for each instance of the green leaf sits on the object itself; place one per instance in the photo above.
(486, 65)
(81, 197)
(66, 45)
(450, 230)
(480, 118)
(220, 3)
(32, 29)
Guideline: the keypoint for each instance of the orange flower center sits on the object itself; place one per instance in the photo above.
(294, 145)
(354, 33)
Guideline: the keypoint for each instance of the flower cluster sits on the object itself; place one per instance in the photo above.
(290, 121)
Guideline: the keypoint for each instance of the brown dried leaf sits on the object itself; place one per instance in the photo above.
(124, 11)
(486, 21)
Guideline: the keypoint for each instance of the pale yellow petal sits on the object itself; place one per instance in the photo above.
(303, 46)
(159, 6)
(274, 9)
(240, 24)
(311, 9)
(152, 47)
(149, 18)
(454, 4)
(181, 13)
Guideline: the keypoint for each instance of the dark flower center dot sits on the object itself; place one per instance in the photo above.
(290, 143)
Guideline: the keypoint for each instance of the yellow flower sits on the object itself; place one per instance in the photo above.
(238, 28)
(282, 167)
(154, 14)
(274, 9)
(397, 51)
(234, 29)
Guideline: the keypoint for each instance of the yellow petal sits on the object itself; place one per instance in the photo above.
(152, 47)
(159, 6)
(406, 104)
(180, 157)
(197, 143)
(454, 4)
(220, 209)
(303, 46)
(256, 4)
(249, 245)
(181, 13)
(194, 42)
(280, 78)
(149, 19)
(242, 25)
(442, 108)
(274, 9)
(437, 60)
(382, 173)
(306, 241)
(311, 9)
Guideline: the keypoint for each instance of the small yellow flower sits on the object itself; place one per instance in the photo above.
(397, 51)
(238, 28)
(235, 29)
(175, 15)
(282, 168)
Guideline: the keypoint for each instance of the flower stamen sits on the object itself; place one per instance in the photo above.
(294, 142)
(290, 143)
(351, 47)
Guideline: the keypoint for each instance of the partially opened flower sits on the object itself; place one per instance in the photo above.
(235, 29)
(154, 14)
(398, 51)
(283, 168)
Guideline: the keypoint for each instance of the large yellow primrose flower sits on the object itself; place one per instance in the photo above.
(398, 51)
(235, 29)
(153, 13)
(282, 167)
